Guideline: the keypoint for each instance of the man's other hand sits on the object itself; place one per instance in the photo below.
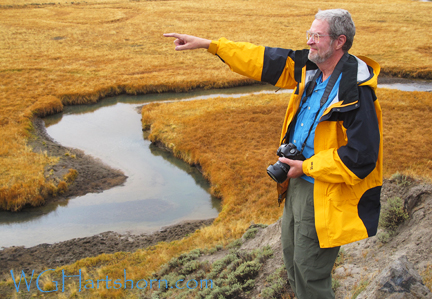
(296, 167)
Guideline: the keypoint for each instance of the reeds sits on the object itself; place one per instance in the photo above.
(60, 53)
(234, 140)
(407, 132)
(66, 54)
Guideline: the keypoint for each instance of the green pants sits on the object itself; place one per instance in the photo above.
(309, 266)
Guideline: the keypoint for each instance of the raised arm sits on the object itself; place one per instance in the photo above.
(272, 65)
(188, 42)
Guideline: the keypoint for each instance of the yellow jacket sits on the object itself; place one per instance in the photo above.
(347, 165)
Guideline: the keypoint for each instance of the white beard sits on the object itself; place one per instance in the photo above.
(317, 58)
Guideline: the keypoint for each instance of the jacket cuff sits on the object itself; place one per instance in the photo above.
(307, 166)
(213, 47)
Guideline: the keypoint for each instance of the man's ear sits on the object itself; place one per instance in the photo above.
(340, 41)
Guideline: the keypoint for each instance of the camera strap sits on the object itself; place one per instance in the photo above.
(309, 90)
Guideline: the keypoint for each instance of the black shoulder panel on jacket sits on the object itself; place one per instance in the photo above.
(369, 209)
(360, 154)
(274, 64)
(301, 59)
(348, 85)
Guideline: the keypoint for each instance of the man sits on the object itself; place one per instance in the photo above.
(334, 118)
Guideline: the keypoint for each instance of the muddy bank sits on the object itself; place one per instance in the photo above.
(93, 175)
(385, 79)
(51, 256)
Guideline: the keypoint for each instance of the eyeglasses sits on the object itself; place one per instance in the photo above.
(315, 36)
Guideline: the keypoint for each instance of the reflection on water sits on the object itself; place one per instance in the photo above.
(408, 87)
(190, 170)
(160, 189)
(143, 99)
(30, 214)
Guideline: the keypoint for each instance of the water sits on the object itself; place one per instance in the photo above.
(419, 86)
(160, 190)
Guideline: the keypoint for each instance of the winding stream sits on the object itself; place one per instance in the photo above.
(160, 190)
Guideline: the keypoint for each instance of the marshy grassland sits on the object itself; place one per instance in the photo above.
(60, 53)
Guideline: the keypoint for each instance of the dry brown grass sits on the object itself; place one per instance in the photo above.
(234, 140)
(63, 54)
(60, 54)
(407, 132)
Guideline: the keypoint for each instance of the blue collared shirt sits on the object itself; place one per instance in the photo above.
(306, 117)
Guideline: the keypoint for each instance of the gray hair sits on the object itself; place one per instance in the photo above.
(340, 23)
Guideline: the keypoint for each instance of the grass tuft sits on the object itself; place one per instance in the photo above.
(393, 214)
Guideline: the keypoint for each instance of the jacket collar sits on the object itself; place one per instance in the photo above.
(357, 71)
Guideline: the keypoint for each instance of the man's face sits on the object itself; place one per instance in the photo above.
(320, 52)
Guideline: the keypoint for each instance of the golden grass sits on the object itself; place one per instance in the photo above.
(64, 54)
(234, 148)
(61, 54)
(407, 132)
(234, 140)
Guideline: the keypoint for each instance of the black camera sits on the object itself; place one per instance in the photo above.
(279, 171)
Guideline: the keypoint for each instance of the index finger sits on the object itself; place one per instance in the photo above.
(176, 35)
(284, 160)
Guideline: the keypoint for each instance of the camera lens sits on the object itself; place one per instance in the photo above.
(278, 172)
